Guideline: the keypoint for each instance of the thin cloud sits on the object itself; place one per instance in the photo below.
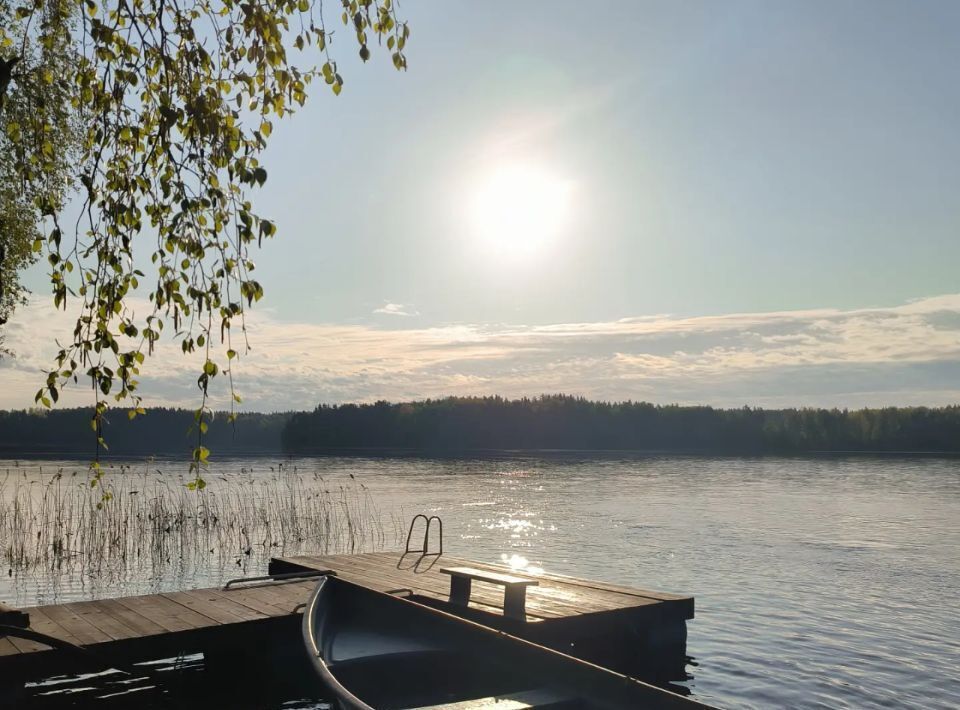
(396, 309)
(907, 354)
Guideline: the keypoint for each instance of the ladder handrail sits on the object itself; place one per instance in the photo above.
(413, 522)
(440, 523)
(280, 578)
(425, 550)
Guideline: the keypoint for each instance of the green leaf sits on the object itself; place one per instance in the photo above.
(151, 128)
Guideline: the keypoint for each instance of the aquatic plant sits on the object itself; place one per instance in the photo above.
(57, 524)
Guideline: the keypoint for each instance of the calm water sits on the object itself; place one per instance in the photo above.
(818, 582)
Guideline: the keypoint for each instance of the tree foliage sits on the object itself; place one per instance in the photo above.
(38, 136)
(64, 432)
(156, 112)
(459, 424)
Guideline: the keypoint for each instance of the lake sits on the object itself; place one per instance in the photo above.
(819, 582)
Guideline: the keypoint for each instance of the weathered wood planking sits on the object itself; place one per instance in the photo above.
(556, 596)
(604, 622)
(634, 631)
(106, 622)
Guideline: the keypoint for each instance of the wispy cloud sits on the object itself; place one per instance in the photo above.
(908, 354)
(396, 309)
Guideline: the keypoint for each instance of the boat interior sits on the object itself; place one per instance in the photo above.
(380, 651)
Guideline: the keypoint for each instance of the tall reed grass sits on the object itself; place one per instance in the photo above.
(51, 523)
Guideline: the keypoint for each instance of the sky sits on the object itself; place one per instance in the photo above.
(736, 203)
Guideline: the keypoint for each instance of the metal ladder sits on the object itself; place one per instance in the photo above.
(424, 551)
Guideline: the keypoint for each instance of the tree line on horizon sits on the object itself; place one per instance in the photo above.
(575, 423)
(463, 424)
(160, 431)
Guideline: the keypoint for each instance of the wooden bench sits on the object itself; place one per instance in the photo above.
(514, 588)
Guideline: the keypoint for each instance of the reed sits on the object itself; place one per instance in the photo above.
(55, 523)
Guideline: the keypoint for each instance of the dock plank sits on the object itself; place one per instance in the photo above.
(82, 630)
(39, 621)
(585, 593)
(592, 584)
(385, 577)
(389, 579)
(543, 602)
(129, 617)
(7, 648)
(556, 597)
(95, 615)
(381, 577)
(612, 594)
(166, 613)
(252, 600)
(285, 597)
(26, 645)
(215, 606)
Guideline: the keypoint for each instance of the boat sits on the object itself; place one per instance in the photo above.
(376, 650)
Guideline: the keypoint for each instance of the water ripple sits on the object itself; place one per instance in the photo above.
(819, 582)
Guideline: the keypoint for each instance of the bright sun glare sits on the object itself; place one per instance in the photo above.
(519, 210)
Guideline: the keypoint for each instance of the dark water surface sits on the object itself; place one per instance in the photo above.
(830, 582)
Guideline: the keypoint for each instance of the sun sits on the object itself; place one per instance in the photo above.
(519, 210)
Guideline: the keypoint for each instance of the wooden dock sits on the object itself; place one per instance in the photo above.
(632, 630)
(155, 625)
(635, 631)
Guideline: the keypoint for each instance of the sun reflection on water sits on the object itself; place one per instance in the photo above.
(520, 563)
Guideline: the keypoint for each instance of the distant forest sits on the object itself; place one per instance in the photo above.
(158, 432)
(561, 422)
(475, 424)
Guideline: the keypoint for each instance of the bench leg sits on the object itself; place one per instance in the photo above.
(460, 591)
(515, 603)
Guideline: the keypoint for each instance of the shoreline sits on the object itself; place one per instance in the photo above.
(443, 454)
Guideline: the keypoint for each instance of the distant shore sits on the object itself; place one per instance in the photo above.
(279, 456)
(551, 425)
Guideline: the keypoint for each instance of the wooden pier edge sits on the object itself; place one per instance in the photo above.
(638, 632)
(634, 631)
